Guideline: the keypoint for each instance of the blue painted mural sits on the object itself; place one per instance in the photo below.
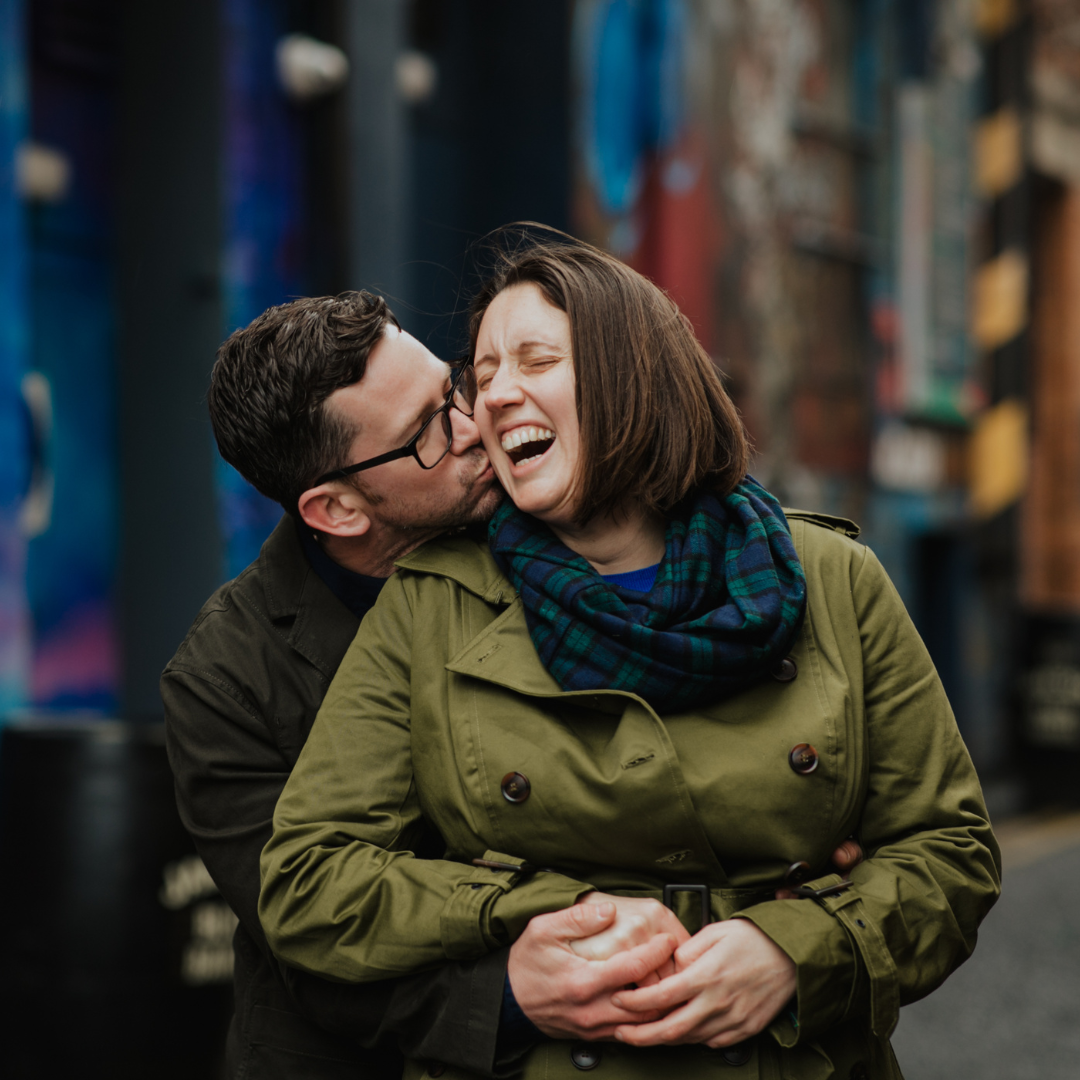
(14, 339)
(264, 250)
(72, 556)
(629, 59)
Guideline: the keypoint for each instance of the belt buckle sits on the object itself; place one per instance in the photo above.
(703, 895)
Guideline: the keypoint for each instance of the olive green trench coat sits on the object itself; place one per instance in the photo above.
(442, 696)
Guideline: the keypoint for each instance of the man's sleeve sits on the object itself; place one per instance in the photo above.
(229, 774)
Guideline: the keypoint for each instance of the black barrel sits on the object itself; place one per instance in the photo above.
(115, 951)
(1048, 717)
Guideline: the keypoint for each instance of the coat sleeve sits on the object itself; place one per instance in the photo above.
(229, 774)
(933, 867)
(342, 893)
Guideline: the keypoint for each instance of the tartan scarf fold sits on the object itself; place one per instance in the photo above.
(729, 598)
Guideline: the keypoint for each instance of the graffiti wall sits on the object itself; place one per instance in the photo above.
(718, 152)
(264, 242)
(14, 350)
(72, 554)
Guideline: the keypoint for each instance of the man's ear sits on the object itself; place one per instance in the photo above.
(336, 508)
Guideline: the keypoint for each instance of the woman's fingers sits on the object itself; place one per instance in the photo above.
(663, 995)
(637, 965)
(625, 933)
(637, 920)
(567, 997)
(580, 921)
(693, 1022)
(732, 981)
(847, 856)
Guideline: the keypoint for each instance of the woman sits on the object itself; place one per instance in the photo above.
(648, 677)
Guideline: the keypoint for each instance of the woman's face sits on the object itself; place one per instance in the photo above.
(526, 409)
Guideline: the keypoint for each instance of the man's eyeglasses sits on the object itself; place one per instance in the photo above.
(432, 442)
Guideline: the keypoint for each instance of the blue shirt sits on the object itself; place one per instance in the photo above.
(638, 580)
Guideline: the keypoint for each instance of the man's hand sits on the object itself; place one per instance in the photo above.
(732, 979)
(637, 920)
(844, 859)
(569, 997)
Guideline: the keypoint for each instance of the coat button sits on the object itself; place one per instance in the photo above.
(859, 1071)
(739, 1054)
(797, 873)
(786, 670)
(803, 759)
(515, 787)
(585, 1056)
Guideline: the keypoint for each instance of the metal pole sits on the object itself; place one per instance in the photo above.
(378, 150)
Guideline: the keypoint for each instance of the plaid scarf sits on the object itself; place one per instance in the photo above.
(728, 600)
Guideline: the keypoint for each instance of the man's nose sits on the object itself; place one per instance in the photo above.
(465, 432)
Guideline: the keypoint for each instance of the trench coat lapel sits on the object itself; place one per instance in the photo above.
(503, 653)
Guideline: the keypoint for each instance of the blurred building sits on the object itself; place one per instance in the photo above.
(868, 208)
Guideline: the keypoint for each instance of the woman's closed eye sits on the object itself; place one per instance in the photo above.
(540, 363)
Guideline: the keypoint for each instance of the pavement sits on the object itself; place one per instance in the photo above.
(1012, 1012)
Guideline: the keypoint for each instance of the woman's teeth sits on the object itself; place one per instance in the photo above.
(524, 444)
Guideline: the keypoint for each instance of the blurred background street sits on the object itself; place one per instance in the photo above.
(1010, 1012)
(870, 212)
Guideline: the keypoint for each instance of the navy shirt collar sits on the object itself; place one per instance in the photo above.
(358, 592)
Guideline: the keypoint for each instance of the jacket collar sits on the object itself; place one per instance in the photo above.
(323, 627)
(503, 652)
(461, 558)
(828, 521)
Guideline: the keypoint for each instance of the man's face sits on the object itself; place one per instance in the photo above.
(403, 385)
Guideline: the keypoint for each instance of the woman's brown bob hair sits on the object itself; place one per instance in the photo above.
(656, 422)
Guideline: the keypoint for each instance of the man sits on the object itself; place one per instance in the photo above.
(357, 430)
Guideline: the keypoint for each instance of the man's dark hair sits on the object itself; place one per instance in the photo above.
(656, 422)
(270, 383)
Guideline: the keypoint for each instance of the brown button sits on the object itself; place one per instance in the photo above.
(797, 873)
(585, 1056)
(786, 670)
(515, 787)
(859, 1071)
(803, 759)
(739, 1054)
(435, 1068)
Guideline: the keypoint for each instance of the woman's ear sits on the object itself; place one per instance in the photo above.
(336, 508)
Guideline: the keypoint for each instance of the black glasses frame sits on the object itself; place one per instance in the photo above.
(409, 449)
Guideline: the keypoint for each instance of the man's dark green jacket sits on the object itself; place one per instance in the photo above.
(240, 697)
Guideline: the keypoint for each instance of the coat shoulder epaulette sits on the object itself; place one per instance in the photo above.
(826, 521)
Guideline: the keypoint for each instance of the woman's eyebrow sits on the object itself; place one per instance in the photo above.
(532, 346)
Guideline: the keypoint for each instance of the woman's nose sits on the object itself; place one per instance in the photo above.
(502, 390)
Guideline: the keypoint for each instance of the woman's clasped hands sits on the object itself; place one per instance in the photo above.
(615, 967)
(720, 986)
(567, 964)
(621, 967)
(730, 980)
